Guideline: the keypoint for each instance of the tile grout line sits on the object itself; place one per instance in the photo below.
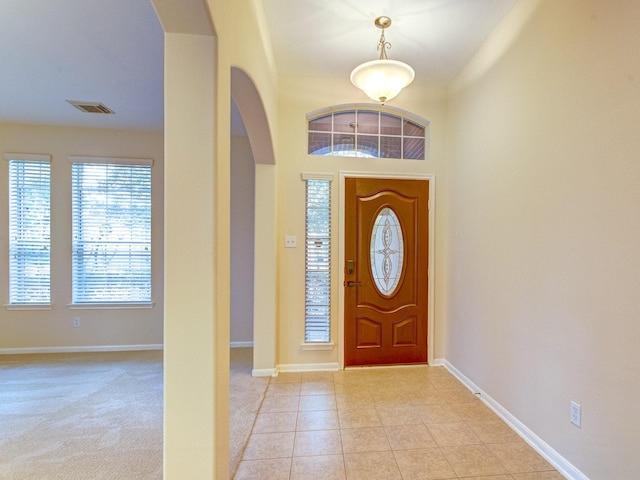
(244, 448)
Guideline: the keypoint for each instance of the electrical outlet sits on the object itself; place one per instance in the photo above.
(76, 322)
(576, 414)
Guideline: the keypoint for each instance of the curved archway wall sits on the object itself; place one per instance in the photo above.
(201, 38)
(251, 109)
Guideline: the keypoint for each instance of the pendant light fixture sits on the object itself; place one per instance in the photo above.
(382, 79)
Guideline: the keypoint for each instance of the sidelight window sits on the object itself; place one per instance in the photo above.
(317, 260)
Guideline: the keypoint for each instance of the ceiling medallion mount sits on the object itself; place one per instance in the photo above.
(383, 22)
(382, 79)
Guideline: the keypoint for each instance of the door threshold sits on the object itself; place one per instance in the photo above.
(370, 367)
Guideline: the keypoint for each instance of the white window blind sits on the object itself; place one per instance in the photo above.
(111, 210)
(318, 261)
(29, 230)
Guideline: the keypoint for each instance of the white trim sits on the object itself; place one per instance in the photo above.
(264, 372)
(308, 367)
(388, 367)
(28, 157)
(431, 178)
(438, 362)
(372, 107)
(317, 346)
(317, 176)
(110, 306)
(544, 449)
(26, 306)
(240, 344)
(111, 160)
(81, 349)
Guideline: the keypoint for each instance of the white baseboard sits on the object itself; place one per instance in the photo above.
(240, 344)
(264, 372)
(553, 457)
(80, 349)
(438, 362)
(309, 367)
(295, 367)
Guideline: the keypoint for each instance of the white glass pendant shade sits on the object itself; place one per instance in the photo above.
(382, 79)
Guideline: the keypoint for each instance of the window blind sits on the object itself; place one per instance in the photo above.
(318, 261)
(29, 232)
(111, 224)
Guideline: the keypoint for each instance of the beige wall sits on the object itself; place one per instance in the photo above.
(242, 233)
(41, 330)
(299, 96)
(544, 216)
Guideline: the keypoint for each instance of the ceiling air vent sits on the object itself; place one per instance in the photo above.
(90, 107)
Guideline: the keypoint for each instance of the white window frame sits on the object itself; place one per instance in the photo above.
(80, 291)
(20, 282)
(386, 110)
(325, 343)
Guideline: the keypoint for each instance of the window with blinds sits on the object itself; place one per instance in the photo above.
(29, 229)
(111, 229)
(318, 261)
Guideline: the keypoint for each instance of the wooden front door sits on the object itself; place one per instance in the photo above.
(386, 271)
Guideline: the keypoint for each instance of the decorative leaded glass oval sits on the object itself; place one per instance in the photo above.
(387, 251)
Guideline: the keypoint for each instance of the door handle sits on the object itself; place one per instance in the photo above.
(354, 284)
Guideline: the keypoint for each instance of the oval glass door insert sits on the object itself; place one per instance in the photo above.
(387, 251)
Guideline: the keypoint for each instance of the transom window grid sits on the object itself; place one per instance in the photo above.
(29, 232)
(318, 261)
(366, 133)
(111, 210)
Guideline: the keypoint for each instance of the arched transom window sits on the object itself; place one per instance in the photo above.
(367, 132)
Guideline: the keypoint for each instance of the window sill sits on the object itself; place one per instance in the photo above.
(109, 306)
(34, 306)
(317, 346)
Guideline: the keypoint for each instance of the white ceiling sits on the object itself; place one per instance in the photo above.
(107, 51)
(110, 51)
(329, 38)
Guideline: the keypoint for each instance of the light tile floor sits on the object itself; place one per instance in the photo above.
(393, 423)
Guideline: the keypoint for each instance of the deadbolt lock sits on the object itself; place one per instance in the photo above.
(351, 267)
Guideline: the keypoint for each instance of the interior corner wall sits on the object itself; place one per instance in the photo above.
(52, 329)
(544, 227)
(242, 233)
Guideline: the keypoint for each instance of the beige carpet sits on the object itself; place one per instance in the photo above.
(81, 416)
(246, 394)
(92, 416)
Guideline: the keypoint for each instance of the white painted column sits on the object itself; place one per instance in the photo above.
(190, 398)
(264, 291)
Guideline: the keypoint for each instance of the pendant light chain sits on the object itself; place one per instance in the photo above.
(382, 46)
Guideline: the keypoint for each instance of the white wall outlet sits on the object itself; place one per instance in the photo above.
(76, 322)
(290, 241)
(576, 414)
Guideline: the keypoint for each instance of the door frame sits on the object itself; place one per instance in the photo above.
(431, 178)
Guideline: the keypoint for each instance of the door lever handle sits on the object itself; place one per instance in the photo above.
(354, 284)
